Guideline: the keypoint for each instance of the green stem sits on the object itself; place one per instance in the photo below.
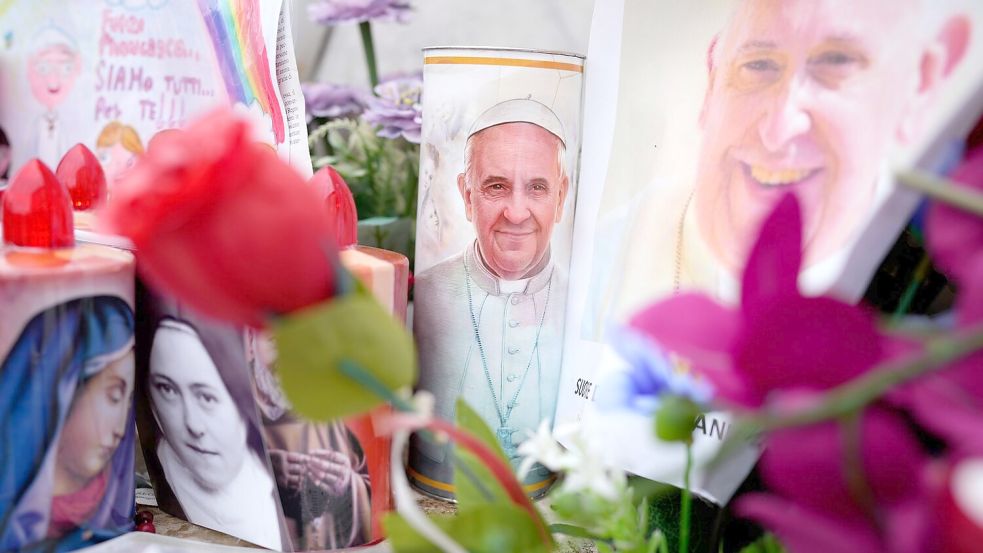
(856, 394)
(686, 503)
(904, 304)
(365, 29)
(943, 190)
(352, 370)
(851, 436)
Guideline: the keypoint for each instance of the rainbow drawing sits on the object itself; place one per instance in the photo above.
(237, 37)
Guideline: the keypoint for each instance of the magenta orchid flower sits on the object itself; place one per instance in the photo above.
(950, 402)
(812, 508)
(780, 348)
(777, 341)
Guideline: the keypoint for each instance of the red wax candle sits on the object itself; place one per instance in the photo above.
(83, 176)
(37, 209)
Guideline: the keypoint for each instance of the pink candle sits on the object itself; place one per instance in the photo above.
(383, 272)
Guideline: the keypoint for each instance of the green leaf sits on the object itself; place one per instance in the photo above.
(767, 543)
(485, 529)
(468, 492)
(312, 343)
(571, 530)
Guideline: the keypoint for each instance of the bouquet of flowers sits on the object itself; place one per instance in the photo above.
(370, 136)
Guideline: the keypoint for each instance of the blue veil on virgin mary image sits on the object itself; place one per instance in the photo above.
(67, 427)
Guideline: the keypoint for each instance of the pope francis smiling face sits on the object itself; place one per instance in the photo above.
(513, 187)
(809, 96)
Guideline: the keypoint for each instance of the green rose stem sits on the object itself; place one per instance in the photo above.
(904, 304)
(686, 502)
(943, 190)
(365, 29)
(498, 468)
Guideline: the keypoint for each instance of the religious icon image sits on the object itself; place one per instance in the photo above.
(819, 109)
(320, 469)
(198, 425)
(489, 309)
(66, 400)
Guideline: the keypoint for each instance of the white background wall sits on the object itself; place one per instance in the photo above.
(539, 24)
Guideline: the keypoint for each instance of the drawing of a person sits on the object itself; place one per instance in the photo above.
(52, 70)
(117, 148)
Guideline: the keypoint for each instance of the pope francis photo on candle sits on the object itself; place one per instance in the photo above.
(489, 320)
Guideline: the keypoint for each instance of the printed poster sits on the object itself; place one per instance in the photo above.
(699, 116)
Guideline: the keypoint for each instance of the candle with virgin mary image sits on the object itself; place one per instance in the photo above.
(66, 396)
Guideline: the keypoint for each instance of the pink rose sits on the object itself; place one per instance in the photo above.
(223, 224)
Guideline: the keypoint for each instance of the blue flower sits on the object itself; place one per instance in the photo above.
(646, 375)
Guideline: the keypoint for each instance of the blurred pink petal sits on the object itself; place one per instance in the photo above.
(950, 403)
(954, 236)
(772, 268)
(811, 343)
(806, 467)
(803, 530)
(807, 464)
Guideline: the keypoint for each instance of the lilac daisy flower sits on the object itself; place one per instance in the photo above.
(396, 110)
(333, 12)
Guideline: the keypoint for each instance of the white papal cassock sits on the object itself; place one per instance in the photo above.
(495, 343)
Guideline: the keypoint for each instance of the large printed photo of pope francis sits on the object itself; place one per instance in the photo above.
(489, 316)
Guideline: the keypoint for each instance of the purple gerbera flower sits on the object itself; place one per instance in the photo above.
(396, 109)
(333, 12)
(333, 101)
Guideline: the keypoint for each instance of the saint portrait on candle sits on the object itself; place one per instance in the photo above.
(320, 469)
(489, 320)
(201, 440)
(66, 405)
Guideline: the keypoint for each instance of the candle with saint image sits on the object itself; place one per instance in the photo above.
(66, 373)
